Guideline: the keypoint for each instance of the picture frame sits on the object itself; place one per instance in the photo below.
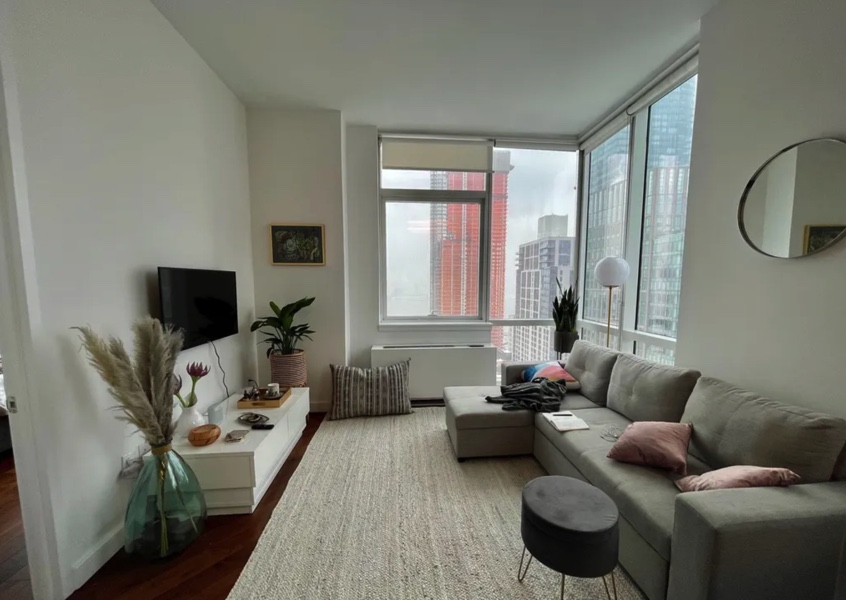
(818, 237)
(297, 244)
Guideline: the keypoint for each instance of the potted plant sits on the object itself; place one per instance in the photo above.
(565, 310)
(287, 362)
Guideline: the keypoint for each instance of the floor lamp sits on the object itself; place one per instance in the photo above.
(611, 272)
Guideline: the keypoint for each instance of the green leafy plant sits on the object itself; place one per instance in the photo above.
(565, 309)
(282, 335)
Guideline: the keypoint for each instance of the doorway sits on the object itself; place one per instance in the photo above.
(15, 581)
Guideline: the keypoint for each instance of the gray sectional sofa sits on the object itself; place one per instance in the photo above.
(738, 544)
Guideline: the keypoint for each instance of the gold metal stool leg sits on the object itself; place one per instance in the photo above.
(521, 574)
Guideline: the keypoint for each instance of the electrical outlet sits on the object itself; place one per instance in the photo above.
(126, 461)
(130, 465)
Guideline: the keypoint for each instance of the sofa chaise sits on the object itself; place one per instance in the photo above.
(736, 544)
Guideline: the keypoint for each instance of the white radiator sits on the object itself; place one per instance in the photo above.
(435, 367)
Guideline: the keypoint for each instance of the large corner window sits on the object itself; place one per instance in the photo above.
(636, 202)
(479, 231)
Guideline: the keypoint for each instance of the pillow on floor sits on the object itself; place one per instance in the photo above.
(654, 444)
(554, 372)
(370, 392)
(738, 476)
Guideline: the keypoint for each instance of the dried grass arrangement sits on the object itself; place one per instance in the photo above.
(166, 510)
(142, 386)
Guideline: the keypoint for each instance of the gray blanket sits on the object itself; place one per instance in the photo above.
(539, 395)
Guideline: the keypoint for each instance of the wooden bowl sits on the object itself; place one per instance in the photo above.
(204, 435)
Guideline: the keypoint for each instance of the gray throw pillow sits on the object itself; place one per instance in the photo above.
(373, 392)
(645, 391)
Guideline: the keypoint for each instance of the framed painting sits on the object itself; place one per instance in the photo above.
(818, 237)
(297, 245)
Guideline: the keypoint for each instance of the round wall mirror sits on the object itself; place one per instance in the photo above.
(795, 205)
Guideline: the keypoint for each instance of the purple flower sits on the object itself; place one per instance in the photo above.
(197, 371)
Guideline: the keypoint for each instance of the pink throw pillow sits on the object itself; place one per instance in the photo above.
(654, 444)
(739, 476)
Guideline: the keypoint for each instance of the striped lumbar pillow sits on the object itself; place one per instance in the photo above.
(370, 392)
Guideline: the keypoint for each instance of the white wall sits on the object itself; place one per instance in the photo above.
(768, 77)
(362, 156)
(135, 156)
(296, 176)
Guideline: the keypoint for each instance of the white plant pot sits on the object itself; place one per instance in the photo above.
(188, 420)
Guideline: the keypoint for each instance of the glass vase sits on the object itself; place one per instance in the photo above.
(167, 510)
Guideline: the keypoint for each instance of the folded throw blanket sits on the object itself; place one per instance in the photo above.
(539, 395)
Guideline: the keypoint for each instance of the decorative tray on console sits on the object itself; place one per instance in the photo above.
(263, 401)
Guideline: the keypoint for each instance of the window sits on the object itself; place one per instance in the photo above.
(432, 254)
(479, 233)
(664, 210)
(607, 194)
(636, 203)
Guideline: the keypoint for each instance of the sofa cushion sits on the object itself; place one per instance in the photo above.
(732, 426)
(604, 423)
(646, 391)
(644, 496)
(592, 365)
(468, 407)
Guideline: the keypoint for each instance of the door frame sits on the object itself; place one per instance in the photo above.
(20, 318)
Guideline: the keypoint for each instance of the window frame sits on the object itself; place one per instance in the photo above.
(483, 320)
(429, 197)
(630, 337)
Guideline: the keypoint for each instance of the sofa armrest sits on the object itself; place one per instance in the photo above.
(513, 372)
(744, 544)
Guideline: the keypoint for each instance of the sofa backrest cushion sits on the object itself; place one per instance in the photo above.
(732, 426)
(644, 391)
(592, 365)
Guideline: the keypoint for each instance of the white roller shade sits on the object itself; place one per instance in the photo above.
(436, 155)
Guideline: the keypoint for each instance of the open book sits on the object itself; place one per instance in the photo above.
(565, 421)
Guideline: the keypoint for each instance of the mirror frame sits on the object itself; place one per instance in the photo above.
(746, 190)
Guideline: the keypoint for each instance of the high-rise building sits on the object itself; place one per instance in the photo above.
(455, 242)
(606, 218)
(665, 210)
(539, 264)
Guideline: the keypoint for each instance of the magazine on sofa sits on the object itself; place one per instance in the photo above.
(565, 421)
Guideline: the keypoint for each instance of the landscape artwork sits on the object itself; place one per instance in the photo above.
(301, 245)
(818, 237)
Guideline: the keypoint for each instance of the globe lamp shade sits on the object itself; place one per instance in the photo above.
(612, 271)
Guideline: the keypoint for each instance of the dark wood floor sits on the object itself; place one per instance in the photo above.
(210, 567)
(14, 572)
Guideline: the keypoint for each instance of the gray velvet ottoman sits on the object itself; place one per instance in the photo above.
(571, 527)
(479, 428)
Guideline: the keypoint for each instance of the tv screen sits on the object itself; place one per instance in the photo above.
(203, 304)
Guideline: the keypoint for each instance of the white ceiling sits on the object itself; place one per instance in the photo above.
(508, 67)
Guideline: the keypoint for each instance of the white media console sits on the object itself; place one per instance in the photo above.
(235, 476)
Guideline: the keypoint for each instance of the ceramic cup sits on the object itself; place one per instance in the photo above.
(272, 389)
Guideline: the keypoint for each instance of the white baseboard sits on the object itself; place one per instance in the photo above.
(93, 560)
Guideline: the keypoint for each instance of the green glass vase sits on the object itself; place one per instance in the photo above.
(167, 510)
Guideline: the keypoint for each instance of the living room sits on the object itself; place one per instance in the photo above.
(175, 133)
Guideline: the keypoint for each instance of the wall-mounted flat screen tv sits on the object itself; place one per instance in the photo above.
(203, 304)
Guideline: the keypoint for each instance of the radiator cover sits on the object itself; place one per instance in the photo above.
(434, 367)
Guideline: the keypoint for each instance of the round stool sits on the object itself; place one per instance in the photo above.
(571, 527)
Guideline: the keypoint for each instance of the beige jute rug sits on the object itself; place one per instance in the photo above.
(379, 509)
